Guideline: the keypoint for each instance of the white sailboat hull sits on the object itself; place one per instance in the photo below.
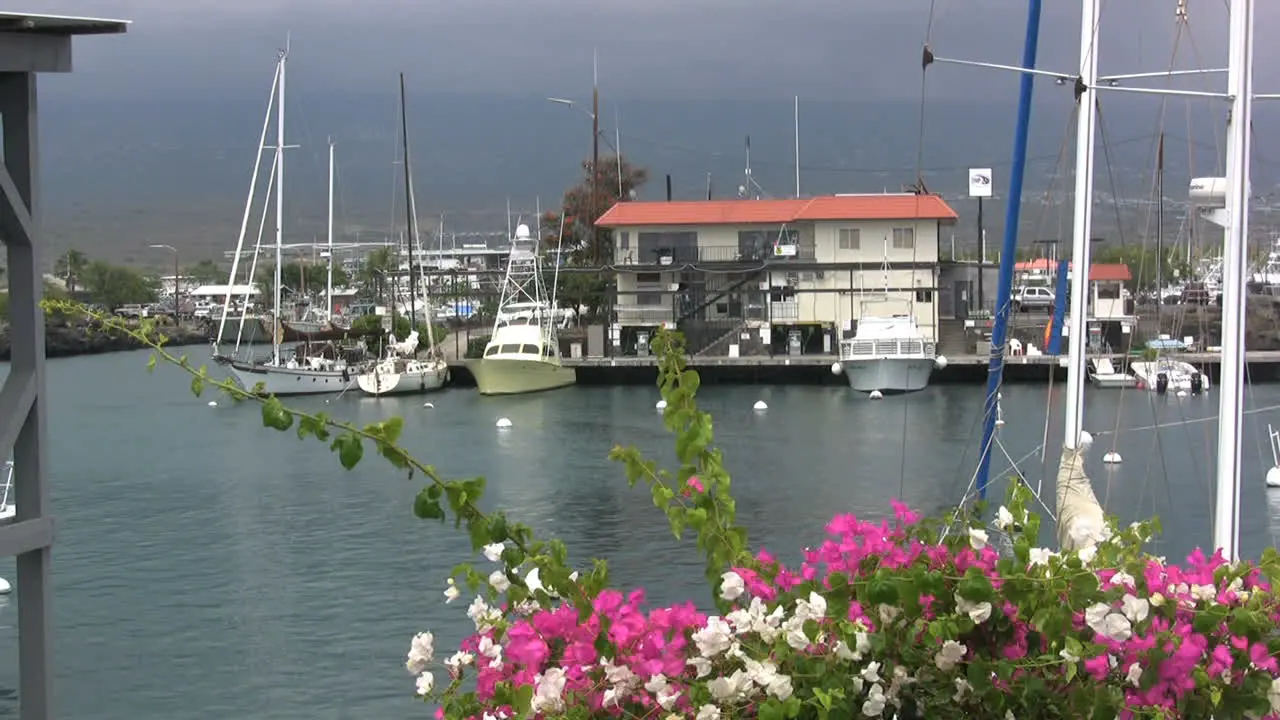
(1179, 375)
(282, 381)
(415, 377)
(509, 376)
(888, 375)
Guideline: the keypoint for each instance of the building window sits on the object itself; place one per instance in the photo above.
(924, 296)
(679, 247)
(904, 238)
(851, 239)
(649, 299)
(648, 278)
(624, 240)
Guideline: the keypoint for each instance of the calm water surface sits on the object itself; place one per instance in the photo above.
(209, 568)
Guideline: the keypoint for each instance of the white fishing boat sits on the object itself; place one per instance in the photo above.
(402, 371)
(523, 355)
(306, 372)
(888, 355)
(1168, 374)
(1103, 374)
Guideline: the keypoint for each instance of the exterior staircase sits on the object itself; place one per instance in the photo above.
(954, 338)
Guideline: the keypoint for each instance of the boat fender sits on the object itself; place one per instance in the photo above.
(1197, 384)
(1162, 383)
(346, 375)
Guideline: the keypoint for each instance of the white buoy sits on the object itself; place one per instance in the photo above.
(836, 368)
(503, 423)
(875, 395)
(1085, 439)
(760, 405)
(1182, 393)
(428, 405)
(1111, 458)
(1273, 477)
(213, 403)
(940, 362)
(5, 587)
(660, 405)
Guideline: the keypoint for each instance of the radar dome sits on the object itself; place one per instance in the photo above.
(522, 231)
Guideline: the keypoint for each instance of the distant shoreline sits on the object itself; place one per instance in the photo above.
(64, 341)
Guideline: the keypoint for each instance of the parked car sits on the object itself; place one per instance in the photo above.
(1033, 297)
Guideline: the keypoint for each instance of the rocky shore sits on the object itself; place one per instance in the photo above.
(70, 339)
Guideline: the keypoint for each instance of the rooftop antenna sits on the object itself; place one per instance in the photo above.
(745, 188)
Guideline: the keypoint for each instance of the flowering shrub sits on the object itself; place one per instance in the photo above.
(902, 617)
(905, 618)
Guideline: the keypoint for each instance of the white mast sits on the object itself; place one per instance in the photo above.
(1226, 517)
(1082, 223)
(328, 291)
(797, 129)
(275, 317)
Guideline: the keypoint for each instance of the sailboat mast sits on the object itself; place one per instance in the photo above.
(1226, 512)
(276, 329)
(328, 283)
(1082, 223)
(1013, 214)
(411, 207)
(1159, 231)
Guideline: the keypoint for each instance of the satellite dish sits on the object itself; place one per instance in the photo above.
(631, 193)
(742, 191)
(522, 232)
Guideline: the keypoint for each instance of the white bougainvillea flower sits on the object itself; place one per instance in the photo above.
(731, 586)
(1134, 608)
(1004, 518)
(977, 538)
(714, 638)
(421, 652)
(493, 552)
(451, 592)
(708, 712)
(977, 612)
(949, 655)
(425, 682)
(875, 702)
(533, 581)
(1104, 621)
(498, 579)
(548, 690)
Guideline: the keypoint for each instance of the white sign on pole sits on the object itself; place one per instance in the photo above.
(979, 182)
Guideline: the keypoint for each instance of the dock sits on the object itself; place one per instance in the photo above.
(815, 369)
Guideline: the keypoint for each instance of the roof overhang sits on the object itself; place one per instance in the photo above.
(42, 43)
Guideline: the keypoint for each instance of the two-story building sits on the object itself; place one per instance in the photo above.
(750, 275)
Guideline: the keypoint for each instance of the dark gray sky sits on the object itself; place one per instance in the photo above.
(820, 49)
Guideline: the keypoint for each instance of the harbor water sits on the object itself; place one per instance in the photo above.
(206, 567)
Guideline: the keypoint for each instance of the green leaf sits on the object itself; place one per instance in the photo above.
(197, 385)
(276, 415)
(349, 448)
(151, 363)
(522, 701)
(771, 710)
(426, 507)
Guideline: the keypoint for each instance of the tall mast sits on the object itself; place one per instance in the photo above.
(328, 286)
(1160, 232)
(1226, 513)
(1082, 223)
(276, 329)
(410, 205)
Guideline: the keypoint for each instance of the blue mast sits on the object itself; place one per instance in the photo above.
(1000, 328)
(1061, 290)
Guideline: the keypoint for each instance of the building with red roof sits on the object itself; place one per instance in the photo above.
(790, 264)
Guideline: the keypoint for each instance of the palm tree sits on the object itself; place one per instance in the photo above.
(70, 267)
(373, 273)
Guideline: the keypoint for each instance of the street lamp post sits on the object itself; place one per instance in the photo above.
(177, 282)
(594, 114)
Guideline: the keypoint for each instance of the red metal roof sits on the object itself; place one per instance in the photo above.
(1098, 272)
(900, 206)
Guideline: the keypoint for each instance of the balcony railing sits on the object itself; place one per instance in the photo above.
(784, 310)
(644, 314)
(716, 253)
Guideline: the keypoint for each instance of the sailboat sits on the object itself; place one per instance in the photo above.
(888, 353)
(304, 373)
(523, 355)
(402, 371)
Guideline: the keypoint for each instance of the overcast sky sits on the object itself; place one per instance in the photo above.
(835, 49)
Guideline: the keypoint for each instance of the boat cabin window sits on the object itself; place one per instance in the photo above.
(506, 349)
(548, 351)
(493, 350)
(529, 349)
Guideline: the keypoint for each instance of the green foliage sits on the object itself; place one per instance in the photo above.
(70, 268)
(113, 285)
(205, 272)
(1145, 264)
(475, 347)
(402, 327)
(584, 203)
(372, 276)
